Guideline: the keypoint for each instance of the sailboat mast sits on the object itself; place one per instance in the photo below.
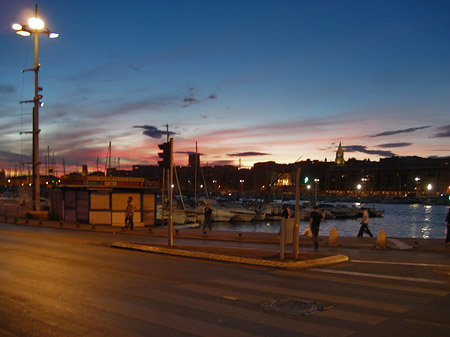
(195, 175)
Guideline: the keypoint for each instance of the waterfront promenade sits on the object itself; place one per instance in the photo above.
(256, 248)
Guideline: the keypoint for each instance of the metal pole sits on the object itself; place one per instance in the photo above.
(171, 195)
(36, 176)
(297, 214)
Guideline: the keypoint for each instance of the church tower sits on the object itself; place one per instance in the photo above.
(340, 155)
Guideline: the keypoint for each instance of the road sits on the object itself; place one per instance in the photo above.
(57, 282)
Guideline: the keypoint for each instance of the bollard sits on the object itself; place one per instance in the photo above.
(61, 224)
(93, 227)
(176, 231)
(240, 235)
(381, 240)
(77, 224)
(417, 247)
(26, 220)
(332, 240)
(150, 230)
(204, 234)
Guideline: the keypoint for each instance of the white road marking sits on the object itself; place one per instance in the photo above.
(389, 277)
(400, 244)
(446, 326)
(402, 263)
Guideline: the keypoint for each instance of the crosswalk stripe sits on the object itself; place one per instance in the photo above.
(352, 316)
(167, 319)
(220, 292)
(255, 316)
(343, 279)
(446, 326)
(245, 296)
(317, 296)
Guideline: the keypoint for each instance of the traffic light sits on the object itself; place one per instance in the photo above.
(165, 155)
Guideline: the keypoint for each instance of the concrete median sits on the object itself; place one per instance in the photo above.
(241, 256)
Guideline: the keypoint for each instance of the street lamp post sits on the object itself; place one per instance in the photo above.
(316, 185)
(35, 26)
(417, 179)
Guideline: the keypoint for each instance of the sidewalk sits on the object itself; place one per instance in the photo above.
(261, 257)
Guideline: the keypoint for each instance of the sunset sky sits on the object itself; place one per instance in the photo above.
(253, 81)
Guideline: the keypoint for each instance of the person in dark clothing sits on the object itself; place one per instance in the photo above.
(447, 239)
(286, 212)
(314, 223)
(208, 217)
(364, 224)
(129, 212)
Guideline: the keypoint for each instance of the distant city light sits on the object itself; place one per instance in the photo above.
(429, 187)
(359, 186)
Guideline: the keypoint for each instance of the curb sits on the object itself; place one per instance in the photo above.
(226, 258)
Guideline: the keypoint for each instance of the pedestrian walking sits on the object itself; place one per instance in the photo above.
(129, 212)
(364, 224)
(208, 217)
(314, 223)
(447, 239)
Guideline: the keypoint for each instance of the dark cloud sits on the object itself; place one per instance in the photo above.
(188, 152)
(152, 131)
(212, 96)
(363, 149)
(13, 158)
(135, 67)
(391, 145)
(7, 89)
(247, 154)
(443, 132)
(221, 163)
(396, 132)
(189, 98)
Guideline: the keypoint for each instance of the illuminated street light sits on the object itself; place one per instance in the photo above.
(35, 26)
(316, 184)
(417, 179)
(429, 187)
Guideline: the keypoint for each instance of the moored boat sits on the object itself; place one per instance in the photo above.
(178, 215)
(242, 214)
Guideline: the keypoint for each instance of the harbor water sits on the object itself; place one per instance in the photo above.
(398, 220)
